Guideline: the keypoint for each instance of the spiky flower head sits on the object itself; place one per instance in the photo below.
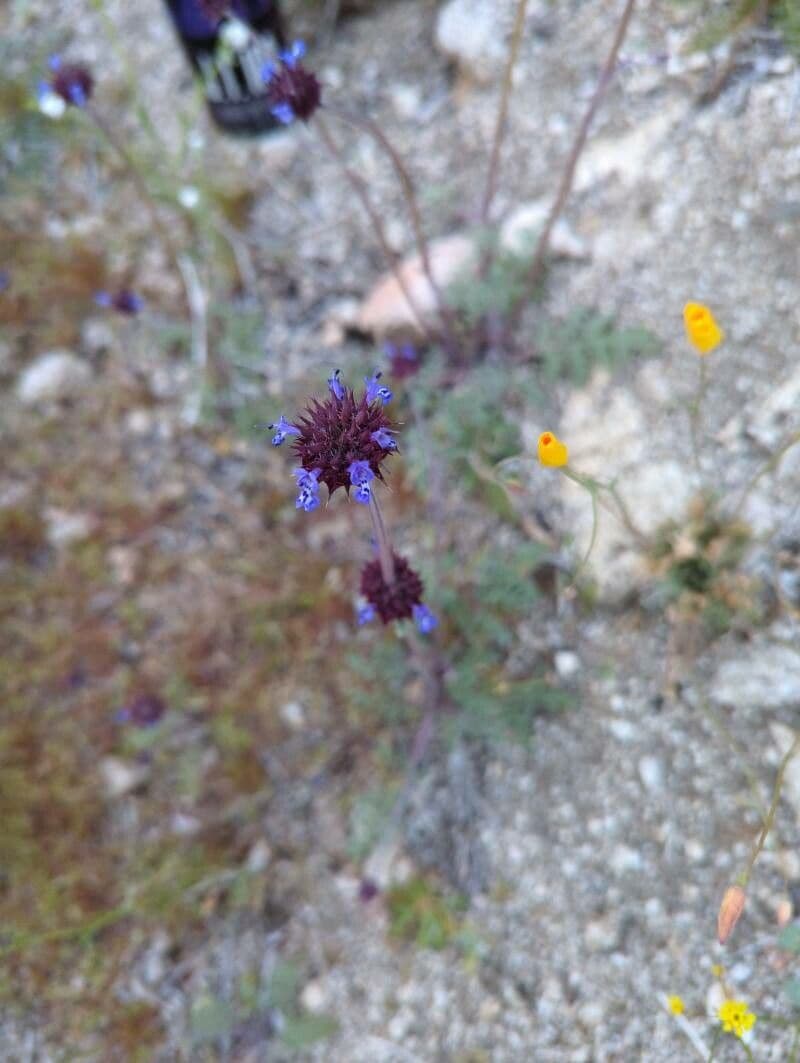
(70, 82)
(292, 91)
(345, 438)
(395, 601)
(124, 301)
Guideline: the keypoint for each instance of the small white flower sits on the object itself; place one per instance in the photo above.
(235, 34)
(195, 140)
(189, 197)
(51, 104)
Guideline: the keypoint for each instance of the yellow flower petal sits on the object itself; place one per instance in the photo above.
(552, 452)
(676, 1005)
(701, 328)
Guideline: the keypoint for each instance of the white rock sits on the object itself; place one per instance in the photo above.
(623, 730)
(466, 32)
(121, 777)
(406, 100)
(64, 528)
(53, 376)
(96, 335)
(314, 997)
(761, 676)
(567, 663)
(259, 857)
(633, 156)
(651, 772)
(771, 423)
(607, 431)
(519, 231)
(624, 859)
(293, 715)
(386, 312)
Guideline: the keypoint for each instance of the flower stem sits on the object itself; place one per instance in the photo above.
(385, 552)
(359, 187)
(502, 111)
(568, 176)
(766, 826)
(135, 174)
(767, 467)
(410, 195)
(695, 414)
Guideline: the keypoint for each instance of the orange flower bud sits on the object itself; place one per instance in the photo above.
(552, 452)
(703, 331)
(729, 911)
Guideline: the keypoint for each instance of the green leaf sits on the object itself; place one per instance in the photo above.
(792, 991)
(302, 1030)
(789, 938)
(283, 986)
(210, 1018)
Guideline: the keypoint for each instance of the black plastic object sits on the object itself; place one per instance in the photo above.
(228, 54)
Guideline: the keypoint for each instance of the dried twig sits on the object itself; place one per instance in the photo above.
(568, 176)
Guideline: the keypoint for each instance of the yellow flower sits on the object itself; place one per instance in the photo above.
(735, 1017)
(701, 328)
(717, 970)
(676, 1005)
(552, 452)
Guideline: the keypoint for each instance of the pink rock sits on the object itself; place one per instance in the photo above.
(386, 313)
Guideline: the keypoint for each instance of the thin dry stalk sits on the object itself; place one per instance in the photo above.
(412, 203)
(502, 111)
(568, 176)
(360, 189)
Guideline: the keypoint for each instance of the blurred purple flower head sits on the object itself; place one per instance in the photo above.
(424, 619)
(395, 601)
(403, 360)
(338, 437)
(123, 301)
(145, 710)
(368, 890)
(292, 91)
(5, 280)
(365, 615)
(71, 81)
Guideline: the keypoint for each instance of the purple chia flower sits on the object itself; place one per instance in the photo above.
(123, 301)
(282, 430)
(145, 710)
(292, 91)
(334, 434)
(5, 280)
(424, 619)
(376, 390)
(403, 360)
(335, 385)
(307, 489)
(365, 615)
(394, 601)
(360, 475)
(383, 439)
(368, 890)
(71, 81)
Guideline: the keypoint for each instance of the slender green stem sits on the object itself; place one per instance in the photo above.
(771, 463)
(747, 1050)
(111, 138)
(715, 1039)
(766, 826)
(502, 110)
(696, 413)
